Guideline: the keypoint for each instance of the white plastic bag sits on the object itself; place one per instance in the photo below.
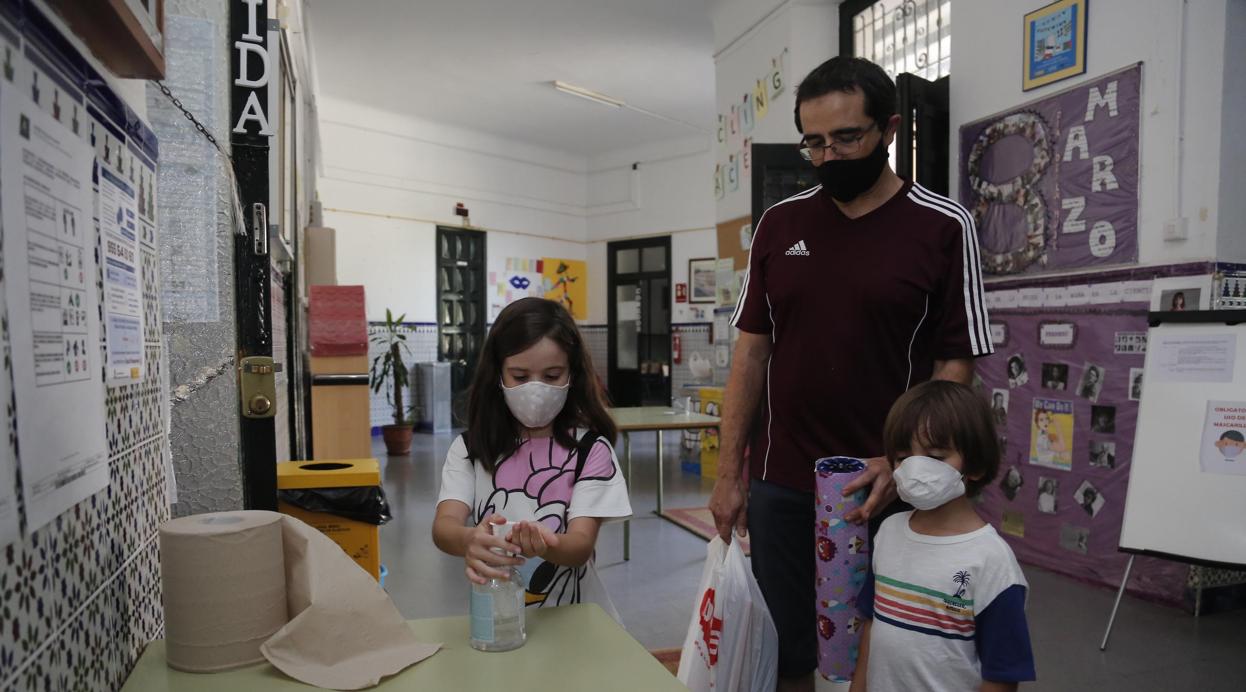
(731, 645)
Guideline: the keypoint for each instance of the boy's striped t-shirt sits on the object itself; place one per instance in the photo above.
(948, 611)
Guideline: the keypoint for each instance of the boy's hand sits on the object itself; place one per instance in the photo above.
(533, 538)
(483, 563)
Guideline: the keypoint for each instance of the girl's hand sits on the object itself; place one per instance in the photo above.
(533, 538)
(482, 563)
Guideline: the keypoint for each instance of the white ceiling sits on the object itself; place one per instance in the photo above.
(487, 65)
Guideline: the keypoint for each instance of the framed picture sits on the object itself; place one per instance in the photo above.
(702, 280)
(1055, 43)
(1181, 293)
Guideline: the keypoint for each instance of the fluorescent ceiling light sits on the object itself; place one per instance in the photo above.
(587, 94)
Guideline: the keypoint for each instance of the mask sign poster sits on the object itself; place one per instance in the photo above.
(1053, 184)
(1224, 438)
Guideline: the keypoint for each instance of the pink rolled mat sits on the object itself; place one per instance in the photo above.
(843, 561)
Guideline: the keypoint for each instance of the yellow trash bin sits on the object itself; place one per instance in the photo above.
(360, 539)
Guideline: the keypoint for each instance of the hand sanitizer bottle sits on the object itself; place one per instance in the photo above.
(497, 609)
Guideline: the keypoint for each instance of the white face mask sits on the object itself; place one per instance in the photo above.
(927, 483)
(535, 404)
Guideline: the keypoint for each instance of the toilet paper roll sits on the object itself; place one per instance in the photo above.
(224, 588)
(241, 587)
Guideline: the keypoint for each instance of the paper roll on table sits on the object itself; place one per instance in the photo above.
(224, 588)
(240, 587)
(843, 561)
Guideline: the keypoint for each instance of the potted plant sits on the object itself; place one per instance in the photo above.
(389, 366)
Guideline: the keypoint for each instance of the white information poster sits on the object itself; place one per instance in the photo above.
(53, 308)
(1194, 357)
(123, 292)
(1224, 438)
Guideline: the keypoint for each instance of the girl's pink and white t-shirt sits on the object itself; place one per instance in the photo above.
(538, 483)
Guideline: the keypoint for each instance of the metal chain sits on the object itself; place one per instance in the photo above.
(235, 193)
(191, 117)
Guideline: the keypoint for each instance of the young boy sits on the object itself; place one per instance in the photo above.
(946, 600)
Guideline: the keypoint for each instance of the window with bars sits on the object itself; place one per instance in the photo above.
(901, 36)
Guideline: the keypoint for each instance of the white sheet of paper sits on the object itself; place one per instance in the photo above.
(123, 290)
(1193, 358)
(53, 308)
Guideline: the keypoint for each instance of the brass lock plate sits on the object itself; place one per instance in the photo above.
(258, 386)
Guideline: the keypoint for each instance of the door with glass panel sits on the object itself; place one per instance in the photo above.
(639, 289)
(460, 305)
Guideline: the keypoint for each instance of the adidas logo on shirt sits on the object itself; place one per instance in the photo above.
(798, 249)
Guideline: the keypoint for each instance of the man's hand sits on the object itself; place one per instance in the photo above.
(878, 473)
(729, 505)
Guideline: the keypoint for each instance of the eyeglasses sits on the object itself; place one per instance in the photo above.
(842, 144)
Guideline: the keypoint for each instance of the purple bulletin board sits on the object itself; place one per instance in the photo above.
(1053, 184)
(1066, 513)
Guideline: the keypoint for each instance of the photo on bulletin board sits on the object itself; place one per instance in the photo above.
(999, 409)
(1103, 419)
(1048, 489)
(1181, 293)
(1055, 376)
(1017, 374)
(702, 279)
(1011, 482)
(1135, 384)
(1055, 43)
(1089, 498)
(1103, 454)
(1092, 382)
(1051, 434)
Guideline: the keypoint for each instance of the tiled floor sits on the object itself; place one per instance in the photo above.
(1152, 647)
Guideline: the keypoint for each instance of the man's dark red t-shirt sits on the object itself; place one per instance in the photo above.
(858, 310)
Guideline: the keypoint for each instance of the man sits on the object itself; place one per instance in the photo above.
(857, 290)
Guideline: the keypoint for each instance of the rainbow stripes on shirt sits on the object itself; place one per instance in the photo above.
(919, 609)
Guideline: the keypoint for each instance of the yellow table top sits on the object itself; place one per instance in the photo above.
(635, 418)
(575, 647)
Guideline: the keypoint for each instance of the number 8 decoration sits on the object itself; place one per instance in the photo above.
(1020, 191)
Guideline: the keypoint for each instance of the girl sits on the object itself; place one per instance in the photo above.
(537, 452)
(945, 605)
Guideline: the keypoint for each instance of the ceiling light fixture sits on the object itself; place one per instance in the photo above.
(587, 94)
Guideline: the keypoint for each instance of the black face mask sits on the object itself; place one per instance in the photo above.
(845, 179)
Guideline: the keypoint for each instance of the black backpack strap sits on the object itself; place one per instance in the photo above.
(582, 447)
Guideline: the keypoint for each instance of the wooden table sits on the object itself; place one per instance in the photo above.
(658, 419)
(576, 647)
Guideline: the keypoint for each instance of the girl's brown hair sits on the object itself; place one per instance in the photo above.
(492, 432)
(945, 415)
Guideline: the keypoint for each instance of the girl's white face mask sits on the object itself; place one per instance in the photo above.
(927, 483)
(535, 404)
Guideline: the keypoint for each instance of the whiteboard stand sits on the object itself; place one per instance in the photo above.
(1115, 606)
(1172, 414)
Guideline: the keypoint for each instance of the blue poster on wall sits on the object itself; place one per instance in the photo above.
(1053, 42)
